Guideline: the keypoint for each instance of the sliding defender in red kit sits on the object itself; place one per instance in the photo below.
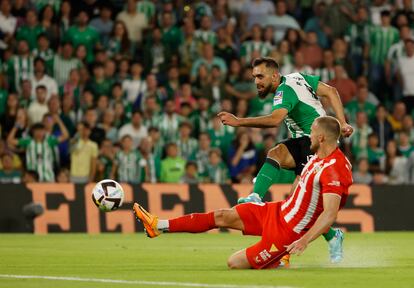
(285, 227)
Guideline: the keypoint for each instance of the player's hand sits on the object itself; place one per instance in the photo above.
(346, 130)
(297, 247)
(228, 119)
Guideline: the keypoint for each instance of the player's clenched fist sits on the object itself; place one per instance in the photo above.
(228, 119)
(346, 130)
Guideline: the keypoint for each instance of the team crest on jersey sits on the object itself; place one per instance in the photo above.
(278, 98)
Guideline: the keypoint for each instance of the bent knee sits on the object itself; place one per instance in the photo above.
(278, 152)
(233, 264)
(235, 261)
(282, 156)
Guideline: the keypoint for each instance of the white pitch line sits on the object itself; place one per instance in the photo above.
(136, 282)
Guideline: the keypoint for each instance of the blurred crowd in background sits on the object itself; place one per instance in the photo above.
(130, 90)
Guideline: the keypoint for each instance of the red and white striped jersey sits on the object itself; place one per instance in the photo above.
(332, 174)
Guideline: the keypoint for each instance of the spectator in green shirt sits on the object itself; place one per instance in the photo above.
(3, 96)
(44, 51)
(209, 60)
(217, 172)
(173, 166)
(9, 174)
(374, 152)
(360, 104)
(40, 149)
(357, 35)
(404, 144)
(20, 66)
(172, 36)
(105, 163)
(188, 145)
(82, 34)
(381, 39)
(191, 175)
(359, 138)
(31, 30)
(158, 53)
(99, 85)
(221, 135)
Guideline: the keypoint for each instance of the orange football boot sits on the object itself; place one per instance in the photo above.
(148, 220)
(285, 261)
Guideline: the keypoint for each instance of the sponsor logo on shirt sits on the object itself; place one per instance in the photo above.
(278, 98)
(334, 183)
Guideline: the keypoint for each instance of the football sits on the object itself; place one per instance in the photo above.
(108, 195)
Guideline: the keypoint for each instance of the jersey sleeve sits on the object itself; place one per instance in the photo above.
(52, 141)
(24, 142)
(285, 97)
(335, 180)
(312, 80)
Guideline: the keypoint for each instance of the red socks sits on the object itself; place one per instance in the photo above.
(193, 223)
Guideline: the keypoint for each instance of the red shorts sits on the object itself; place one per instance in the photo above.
(264, 220)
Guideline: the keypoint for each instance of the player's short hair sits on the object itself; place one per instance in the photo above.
(330, 126)
(268, 61)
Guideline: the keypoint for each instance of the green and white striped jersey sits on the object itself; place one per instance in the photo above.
(129, 166)
(62, 67)
(296, 93)
(40, 156)
(169, 127)
(248, 47)
(188, 148)
(206, 36)
(19, 68)
(380, 40)
(201, 158)
(218, 174)
(357, 36)
(45, 55)
(395, 52)
(325, 74)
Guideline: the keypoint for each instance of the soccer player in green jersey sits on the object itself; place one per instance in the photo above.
(296, 102)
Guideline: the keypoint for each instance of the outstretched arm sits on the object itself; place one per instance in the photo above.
(272, 120)
(62, 127)
(325, 220)
(11, 139)
(332, 95)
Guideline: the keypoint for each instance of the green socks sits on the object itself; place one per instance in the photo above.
(329, 235)
(266, 177)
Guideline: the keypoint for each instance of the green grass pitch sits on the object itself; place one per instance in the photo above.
(187, 260)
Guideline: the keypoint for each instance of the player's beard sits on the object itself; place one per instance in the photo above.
(314, 147)
(263, 93)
